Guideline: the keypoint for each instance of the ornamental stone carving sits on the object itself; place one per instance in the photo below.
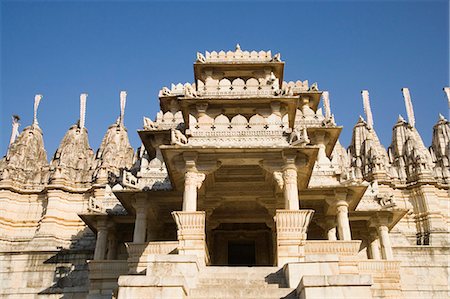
(73, 161)
(26, 160)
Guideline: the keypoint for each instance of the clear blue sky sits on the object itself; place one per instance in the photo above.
(61, 49)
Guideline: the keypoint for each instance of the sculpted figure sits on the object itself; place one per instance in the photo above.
(314, 87)
(165, 91)
(278, 177)
(289, 91)
(200, 57)
(386, 200)
(149, 124)
(189, 91)
(178, 138)
(299, 136)
(276, 57)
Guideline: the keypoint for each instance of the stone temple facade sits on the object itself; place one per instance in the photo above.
(240, 189)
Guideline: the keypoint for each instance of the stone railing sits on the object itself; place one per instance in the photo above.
(169, 120)
(263, 86)
(340, 248)
(295, 87)
(377, 267)
(237, 55)
(138, 253)
(256, 130)
(107, 269)
(385, 275)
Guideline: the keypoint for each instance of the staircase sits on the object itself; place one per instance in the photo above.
(242, 282)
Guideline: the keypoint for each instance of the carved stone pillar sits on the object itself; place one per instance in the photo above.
(380, 222)
(321, 139)
(291, 228)
(386, 248)
(290, 189)
(290, 182)
(140, 225)
(191, 234)
(330, 228)
(112, 245)
(374, 246)
(193, 181)
(343, 224)
(102, 239)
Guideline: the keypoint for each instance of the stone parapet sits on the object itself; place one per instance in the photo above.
(168, 276)
(385, 275)
(138, 253)
(338, 247)
(335, 286)
(103, 277)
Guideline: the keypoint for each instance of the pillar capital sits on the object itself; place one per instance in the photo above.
(293, 159)
(102, 223)
(194, 178)
(140, 201)
(190, 159)
(340, 196)
(382, 218)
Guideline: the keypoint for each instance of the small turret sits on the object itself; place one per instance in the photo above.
(74, 158)
(407, 152)
(440, 149)
(369, 159)
(115, 152)
(26, 161)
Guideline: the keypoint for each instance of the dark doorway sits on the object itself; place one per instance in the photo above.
(241, 253)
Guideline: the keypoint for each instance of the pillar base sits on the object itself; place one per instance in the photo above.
(291, 228)
(191, 234)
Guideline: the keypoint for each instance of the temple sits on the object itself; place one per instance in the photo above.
(240, 189)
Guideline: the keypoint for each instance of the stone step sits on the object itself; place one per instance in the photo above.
(276, 281)
(242, 276)
(240, 282)
(237, 292)
(228, 269)
(238, 272)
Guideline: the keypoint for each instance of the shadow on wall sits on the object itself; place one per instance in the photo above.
(70, 277)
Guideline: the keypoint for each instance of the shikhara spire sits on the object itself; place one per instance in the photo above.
(123, 101)
(37, 100)
(83, 98)
(367, 109)
(409, 107)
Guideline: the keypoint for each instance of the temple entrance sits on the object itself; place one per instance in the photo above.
(241, 253)
(241, 244)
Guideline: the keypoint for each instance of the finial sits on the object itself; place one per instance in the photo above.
(409, 106)
(441, 117)
(83, 98)
(15, 129)
(238, 47)
(123, 101)
(37, 100)
(326, 104)
(367, 109)
(400, 119)
(447, 92)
